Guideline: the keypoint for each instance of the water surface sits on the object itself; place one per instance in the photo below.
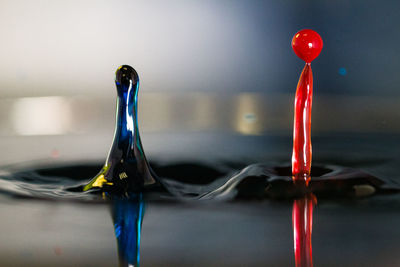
(44, 229)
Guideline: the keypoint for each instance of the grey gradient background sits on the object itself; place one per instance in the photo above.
(73, 47)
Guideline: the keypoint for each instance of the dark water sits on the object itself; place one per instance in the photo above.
(190, 184)
(194, 181)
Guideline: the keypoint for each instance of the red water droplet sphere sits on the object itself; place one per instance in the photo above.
(307, 44)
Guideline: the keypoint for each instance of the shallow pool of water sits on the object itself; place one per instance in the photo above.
(346, 231)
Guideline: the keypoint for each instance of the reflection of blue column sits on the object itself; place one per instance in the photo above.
(128, 216)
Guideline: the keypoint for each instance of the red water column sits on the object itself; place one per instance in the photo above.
(302, 218)
(307, 44)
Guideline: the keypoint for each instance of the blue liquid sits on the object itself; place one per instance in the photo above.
(126, 168)
(128, 215)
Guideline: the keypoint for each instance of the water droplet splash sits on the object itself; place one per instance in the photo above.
(193, 181)
(126, 168)
(307, 44)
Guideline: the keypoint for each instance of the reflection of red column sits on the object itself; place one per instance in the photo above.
(302, 215)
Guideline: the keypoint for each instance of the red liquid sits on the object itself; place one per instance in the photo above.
(302, 216)
(307, 44)
(302, 152)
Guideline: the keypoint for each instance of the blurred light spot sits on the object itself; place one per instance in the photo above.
(250, 117)
(57, 251)
(342, 71)
(248, 110)
(156, 112)
(55, 153)
(41, 116)
(205, 112)
(26, 254)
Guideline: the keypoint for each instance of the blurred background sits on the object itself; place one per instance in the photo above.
(205, 66)
(218, 79)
